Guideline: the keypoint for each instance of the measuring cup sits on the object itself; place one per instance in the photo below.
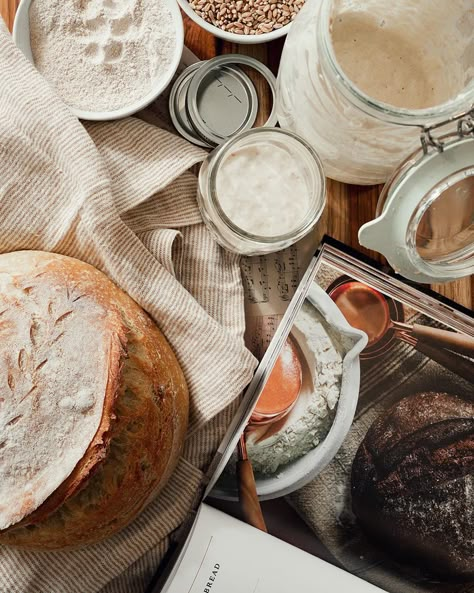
(367, 309)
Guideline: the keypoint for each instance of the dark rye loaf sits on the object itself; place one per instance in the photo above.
(413, 483)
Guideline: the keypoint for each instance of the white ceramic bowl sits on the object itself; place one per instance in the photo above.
(299, 472)
(21, 37)
(232, 37)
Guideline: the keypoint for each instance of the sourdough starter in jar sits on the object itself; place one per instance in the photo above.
(261, 191)
(357, 77)
(381, 54)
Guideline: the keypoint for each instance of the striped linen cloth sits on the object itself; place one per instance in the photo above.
(119, 196)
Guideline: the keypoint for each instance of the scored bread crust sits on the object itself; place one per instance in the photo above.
(95, 453)
(152, 413)
(138, 442)
(412, 482)
(49, 303)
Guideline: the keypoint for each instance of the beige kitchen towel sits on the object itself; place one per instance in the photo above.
(119, 196)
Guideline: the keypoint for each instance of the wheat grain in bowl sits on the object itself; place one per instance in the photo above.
(243, 21)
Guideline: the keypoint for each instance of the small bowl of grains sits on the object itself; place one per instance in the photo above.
(243, 21)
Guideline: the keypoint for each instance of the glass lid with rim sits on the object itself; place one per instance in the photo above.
(442, 229)
(425, 215)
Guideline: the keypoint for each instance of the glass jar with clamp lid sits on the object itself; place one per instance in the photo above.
(425, 213)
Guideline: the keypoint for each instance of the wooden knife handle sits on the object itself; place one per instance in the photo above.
(445, 339)
(449, 360)
(248, 495)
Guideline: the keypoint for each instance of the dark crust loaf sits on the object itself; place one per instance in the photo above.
(146, 427)
(413, 483)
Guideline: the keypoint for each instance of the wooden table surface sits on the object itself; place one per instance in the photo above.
(349, 206)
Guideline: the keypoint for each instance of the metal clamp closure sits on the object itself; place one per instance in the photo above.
(465, 127)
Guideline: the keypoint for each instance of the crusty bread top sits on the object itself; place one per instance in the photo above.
(412, 482)
(61, 352)
(147, 437)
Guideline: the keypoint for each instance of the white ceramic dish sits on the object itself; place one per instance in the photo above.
(232, 37)
(21, 37)
(298, 473)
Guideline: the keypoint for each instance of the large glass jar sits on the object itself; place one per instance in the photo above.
(358, 77)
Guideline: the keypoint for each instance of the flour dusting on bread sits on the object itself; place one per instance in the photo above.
(59, 349)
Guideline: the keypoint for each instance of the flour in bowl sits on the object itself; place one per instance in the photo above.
(311, 419)
(102, 55)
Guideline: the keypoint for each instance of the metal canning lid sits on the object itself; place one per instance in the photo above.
(236, 98)
(221, 102)
(215, 100)
(218, 111)
(177, 106)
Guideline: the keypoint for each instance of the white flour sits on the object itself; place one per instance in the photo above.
(311, 419)
(102, 55)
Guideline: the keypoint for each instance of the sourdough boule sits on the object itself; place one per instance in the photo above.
(413, 483)
(93, 403)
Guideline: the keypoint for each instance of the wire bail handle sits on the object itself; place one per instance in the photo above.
(465, 127)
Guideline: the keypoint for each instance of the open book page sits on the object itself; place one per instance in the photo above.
(270, 282)
(224, 555)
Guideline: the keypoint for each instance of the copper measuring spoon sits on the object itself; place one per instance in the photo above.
(275, 402)
(367, 309)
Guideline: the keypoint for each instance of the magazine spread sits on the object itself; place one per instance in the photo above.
(395, 505)
(361, 414)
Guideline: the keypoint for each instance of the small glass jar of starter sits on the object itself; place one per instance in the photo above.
(261, 191)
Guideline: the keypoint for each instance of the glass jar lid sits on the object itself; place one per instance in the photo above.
(425, 216)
